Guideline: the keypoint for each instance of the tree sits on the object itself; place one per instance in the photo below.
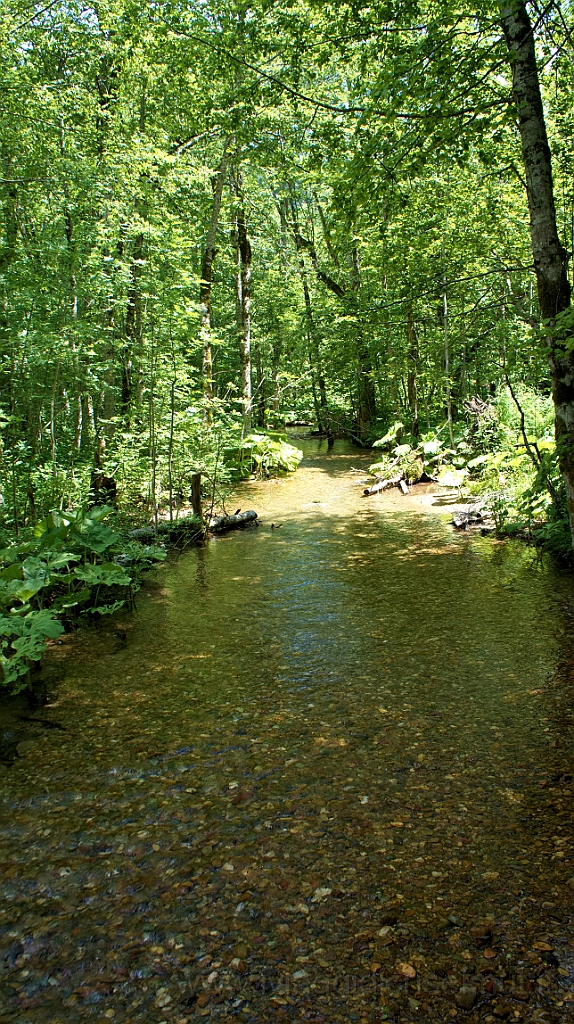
(205, 285)
(550, 256)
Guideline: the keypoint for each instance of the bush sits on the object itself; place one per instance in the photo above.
(67, 568)
(266, 454)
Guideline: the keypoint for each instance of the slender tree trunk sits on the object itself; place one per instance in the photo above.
(321, 406)
(315, 360)
(170, 446)
(79, 423)
(53, 421)
(445, 327)
(69, 228)
(413, 361)
(464, 356)
(209, 254)
(550, 257)
(9, 198)
(108, 396)
(275, 400)
(366, 397)
(243, 306)
(87, 421)
(260, 403)
(133, 325)
(316, 405)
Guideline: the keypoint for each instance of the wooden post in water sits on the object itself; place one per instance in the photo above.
(196, 495)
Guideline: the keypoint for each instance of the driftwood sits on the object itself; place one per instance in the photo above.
(403, 486)
(221, 523)
(382, 485)
(461, 520)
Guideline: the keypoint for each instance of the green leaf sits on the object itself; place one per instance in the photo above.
(95, 536)
(12, 572)
(107, 575)
(104, 609)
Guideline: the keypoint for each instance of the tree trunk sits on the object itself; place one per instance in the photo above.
(87, 421)
(413, 360)
(550, 257)
(445, 326)
(243, 306)
(261, 402)
(366, 398)
(275, 400)
(315, 363)
(209, 255)
(133, 325)
(9, 199)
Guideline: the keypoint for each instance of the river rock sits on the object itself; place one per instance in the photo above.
(25, 745)
(466, 996)
(443, 924)
(502, 1010)
(388, 917)
(9, 740)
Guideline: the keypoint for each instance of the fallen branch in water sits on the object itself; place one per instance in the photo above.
(461, 520)
(221, 523)
(186, 527)
(382, 485)
(189, 529)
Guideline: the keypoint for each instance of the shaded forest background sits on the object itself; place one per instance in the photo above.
(216, 219)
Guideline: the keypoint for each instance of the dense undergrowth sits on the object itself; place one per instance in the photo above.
(72, 565)
(504, 456)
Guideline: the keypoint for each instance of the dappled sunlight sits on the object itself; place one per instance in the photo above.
(332, 753)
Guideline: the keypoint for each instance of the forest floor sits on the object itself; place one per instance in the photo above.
(328, 777)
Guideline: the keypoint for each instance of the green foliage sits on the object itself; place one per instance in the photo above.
(414, 460)
(489, 459)
(23, 641)
(267, 455)
(391, 437)
(41, 583)
(384, 261)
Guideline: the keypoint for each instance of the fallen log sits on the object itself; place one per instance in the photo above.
(462, 519)
(382, 485)
(403, 486)
(186, 527)
(221, 523)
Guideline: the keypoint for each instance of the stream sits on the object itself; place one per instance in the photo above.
(327, 777)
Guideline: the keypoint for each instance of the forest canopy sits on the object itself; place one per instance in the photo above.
(219, 218)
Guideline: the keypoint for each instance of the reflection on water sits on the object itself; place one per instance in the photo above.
(332, 749)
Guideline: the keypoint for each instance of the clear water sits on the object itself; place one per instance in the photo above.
(344, 713)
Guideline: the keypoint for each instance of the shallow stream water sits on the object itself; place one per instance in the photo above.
(327, 777)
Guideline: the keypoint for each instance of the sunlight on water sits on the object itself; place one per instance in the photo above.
(347, 699)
